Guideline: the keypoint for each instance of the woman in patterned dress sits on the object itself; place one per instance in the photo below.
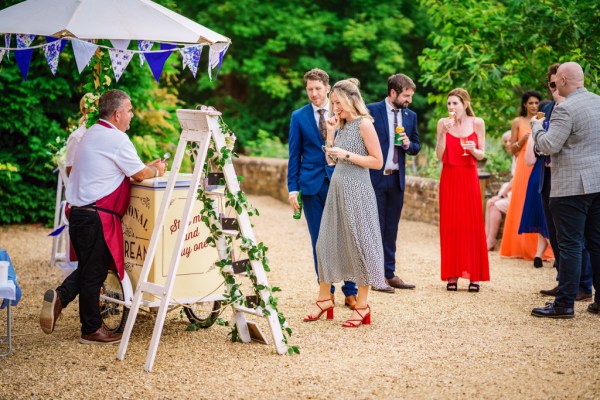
(349, 245)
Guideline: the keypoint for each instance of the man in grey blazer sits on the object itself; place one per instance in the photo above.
(573, 142)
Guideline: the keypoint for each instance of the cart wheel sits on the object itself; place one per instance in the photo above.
(113, 315)
(204, 314)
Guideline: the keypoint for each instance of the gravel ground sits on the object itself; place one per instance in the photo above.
(426, 343)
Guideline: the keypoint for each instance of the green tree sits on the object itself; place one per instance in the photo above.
(497, 49)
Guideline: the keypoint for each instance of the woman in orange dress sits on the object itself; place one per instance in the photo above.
(460, 143)
(513, 244)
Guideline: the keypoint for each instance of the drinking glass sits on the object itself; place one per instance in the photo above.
(330, 159)
(463, 141)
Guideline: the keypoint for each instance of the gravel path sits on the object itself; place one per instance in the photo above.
(425, 343)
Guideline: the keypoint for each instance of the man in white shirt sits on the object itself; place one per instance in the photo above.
(98, 196)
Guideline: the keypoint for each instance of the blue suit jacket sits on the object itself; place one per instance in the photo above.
(409, 122)
(307, 166)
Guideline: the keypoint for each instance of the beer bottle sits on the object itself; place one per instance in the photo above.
(298, 213)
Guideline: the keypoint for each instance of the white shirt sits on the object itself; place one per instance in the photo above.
(73, 143)
(316, 112)
(389, 160)
(104, 158)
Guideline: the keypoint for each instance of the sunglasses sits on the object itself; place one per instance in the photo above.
(552, 85)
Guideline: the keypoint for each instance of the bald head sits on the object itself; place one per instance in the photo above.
(570, 78)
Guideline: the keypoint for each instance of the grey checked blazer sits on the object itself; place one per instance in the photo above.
(573, 142)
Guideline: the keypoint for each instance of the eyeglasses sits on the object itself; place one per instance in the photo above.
(552, 84)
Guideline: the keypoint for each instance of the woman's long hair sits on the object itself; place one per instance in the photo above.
(525, 98)
(464, 97)
(350, 98)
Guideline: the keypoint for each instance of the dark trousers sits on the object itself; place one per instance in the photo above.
(85, 231)
(585, 282)
(390, 200)
(313, 206)
(577, 219)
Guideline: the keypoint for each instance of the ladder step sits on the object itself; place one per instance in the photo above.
(229, 270)
(214, 190)
(153, 288)
(228, 232)
(247, 310)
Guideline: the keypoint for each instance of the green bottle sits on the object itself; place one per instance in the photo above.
(298, 213)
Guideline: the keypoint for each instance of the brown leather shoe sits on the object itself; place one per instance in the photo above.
(583, 296)
(350, 302)
(551, 292)
(399, 283)
(100, 337)
(51, 309)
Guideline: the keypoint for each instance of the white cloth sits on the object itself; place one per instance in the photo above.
(104, 158)
(316, 112)
(73, 143)
(389, 159)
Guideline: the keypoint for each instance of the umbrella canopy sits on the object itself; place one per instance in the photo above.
(105, 19)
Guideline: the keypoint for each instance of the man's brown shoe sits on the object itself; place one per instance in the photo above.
(398, 283)
(100, 337)
(551, 292)
(350, 302)
(583, 296)
(51, 309)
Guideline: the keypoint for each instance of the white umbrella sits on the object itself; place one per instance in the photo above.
(105, 19)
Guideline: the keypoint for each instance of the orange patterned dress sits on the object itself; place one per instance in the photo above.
(514, 244)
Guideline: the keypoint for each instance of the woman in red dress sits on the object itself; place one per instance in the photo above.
(460, 143)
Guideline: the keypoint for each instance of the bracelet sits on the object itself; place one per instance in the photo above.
(156, 169)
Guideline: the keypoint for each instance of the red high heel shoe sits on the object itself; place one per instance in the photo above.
(365, 318)
(329, 311)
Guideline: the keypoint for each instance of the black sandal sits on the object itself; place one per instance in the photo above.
(473, 287)
(452, 286)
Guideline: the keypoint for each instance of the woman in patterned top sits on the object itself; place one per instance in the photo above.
(349, 247)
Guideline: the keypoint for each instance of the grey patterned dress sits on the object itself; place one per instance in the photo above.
(349, 247)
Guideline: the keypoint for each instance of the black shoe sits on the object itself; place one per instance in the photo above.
(452, 286)
(473, 287)
(537, 262)
(594, 308)
(552, 311)
(551, 292)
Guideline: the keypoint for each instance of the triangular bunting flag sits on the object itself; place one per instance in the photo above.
(52, 51)
(120, 60)
(221, 56)
(24, 40)
(63, 43)
(84, 51)
(156, 62)
(23, 58)
(121, 44)
(7, 44)
(2, 51)
(215, 56)
(167, 46)
(191, 57)
(144, 45)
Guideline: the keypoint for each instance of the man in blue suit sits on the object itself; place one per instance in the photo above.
(388, 182)
(307, 167)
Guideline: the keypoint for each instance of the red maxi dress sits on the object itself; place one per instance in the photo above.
(462, 231)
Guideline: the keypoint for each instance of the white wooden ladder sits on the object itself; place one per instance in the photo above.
(197, 127)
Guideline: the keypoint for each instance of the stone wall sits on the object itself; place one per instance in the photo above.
(268, 176)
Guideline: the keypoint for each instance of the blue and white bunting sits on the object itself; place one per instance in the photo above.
(52, 53)
(156, 62)
(215, 57)
(84, 51)
(7, 44)
(2, 51)
(23, 57)
(24, 40)
(120, 60)
(191, 57)
(144, 45)
(121, 44)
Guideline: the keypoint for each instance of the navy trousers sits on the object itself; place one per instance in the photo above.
(87, 236)
(390, 200)
(313, 206)
(577, 219)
